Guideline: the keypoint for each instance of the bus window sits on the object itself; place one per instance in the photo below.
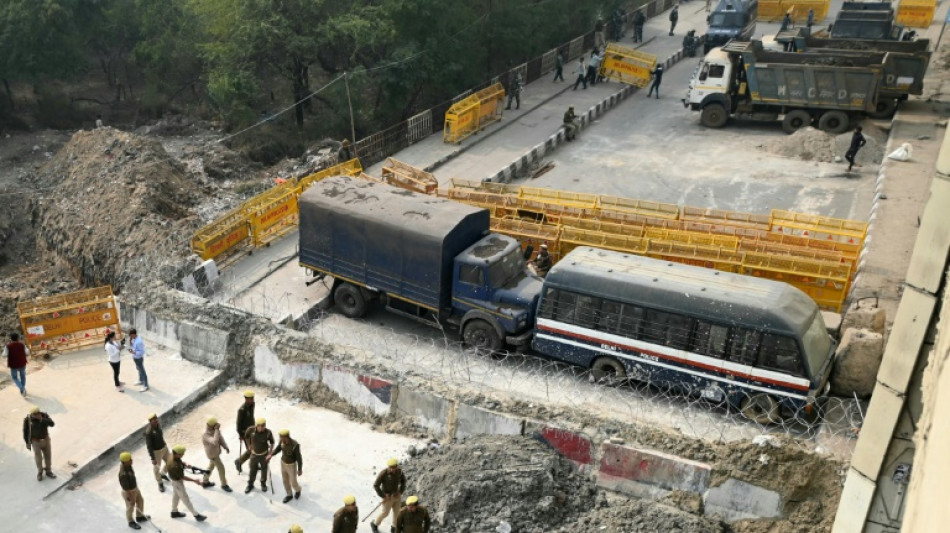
(631, 317)
(566, 304)
(655, 326)
(677, 336)
(547, 305)
(710, 339)
(588, 311)
(744, 346)
(780, 353)
(609, 316)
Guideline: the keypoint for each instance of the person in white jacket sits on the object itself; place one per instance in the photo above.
(114, 351)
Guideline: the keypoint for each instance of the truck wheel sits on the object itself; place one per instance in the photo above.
(886, 107)
(834, 122)
(760, 408)
(350, 300)
(714, 116)
(482, 336)
(795, 120)
(607, 370)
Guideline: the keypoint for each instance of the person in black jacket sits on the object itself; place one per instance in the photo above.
(657, 78)
(857, 141)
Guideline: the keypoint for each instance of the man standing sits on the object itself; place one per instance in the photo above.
(389, 485)
(514, 90)
(857, 141)
(639, 19)
(130, 492)
(414, 518)
(36, 435)
(137, 349)
(558, 66)
(657, 78)
(157, 450)
(786, 22)
(581, 74)
(15, 353)
(811, 19)
(176, 471)
(291, 463)
(674, 16)
(599, 32)
(347, 517)
(570, 124)
(213, 441)
(260, 442)
(245, 420)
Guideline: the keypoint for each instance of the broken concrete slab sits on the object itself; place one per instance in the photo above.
(865, 316)
(366, 392)
(857, 361)
(737, 500)
(477, 421)
(429, 410)
(648, 473)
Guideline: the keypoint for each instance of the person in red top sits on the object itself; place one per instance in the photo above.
(15, 353)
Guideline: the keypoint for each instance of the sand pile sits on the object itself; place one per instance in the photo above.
(810, 144)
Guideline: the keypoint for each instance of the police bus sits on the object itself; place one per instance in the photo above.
(759, 344)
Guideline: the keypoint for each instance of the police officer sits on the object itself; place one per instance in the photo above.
(389, 485)
(245, 420)
(674, 16)
(414, 518)
(657, 78)
(213, 442)
(176, 471)
(570, 124)
(639, 19)
(260, 443)
(514, 90)
(347, 517)
(130, 492)
(291, 463)
(36, 435)
(542, 262)
(157, 450)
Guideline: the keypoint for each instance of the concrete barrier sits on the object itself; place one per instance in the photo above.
(429, 410)
(367, 392)
(477, 421)
(270, 370)
(204, 345)
(574, 446)
(151, 327)
(649, 474)
(737, 500)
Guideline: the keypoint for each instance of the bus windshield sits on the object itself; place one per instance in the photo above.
(817, 344)
(726, 20)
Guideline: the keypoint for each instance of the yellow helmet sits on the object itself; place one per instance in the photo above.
(412, 500)
(248, 394)
(392, 462)
(179, 449)
(261, 421)
(35, 409)
(296, 529)
(125, 457)
(212, 420)
(284, 432)
(349, 499)
(151, 416)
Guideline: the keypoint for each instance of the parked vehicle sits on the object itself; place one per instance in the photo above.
(732, 19)
(743, 79)
(426, 258)
(759, 344)
(866, 20)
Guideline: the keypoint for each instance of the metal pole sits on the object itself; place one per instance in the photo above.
(346, 80)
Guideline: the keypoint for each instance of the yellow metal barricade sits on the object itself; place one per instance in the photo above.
(714, 217)
(272, 213)
(560, 198)
(916, 13)
(726, 242)
(347, 168)
(489, 104)
(798, 9)
(602, 226)
(529, 233)
(638, 207)
(461, 120)
(222, 237)
(819, 227)
(572, 238)
(690, 254)
(770, 10)
(69, 321)
(825, 282)
(409, 177)
(627, 65)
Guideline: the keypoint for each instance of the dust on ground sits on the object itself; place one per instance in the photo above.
(810, 144)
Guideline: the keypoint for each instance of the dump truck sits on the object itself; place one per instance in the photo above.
(866, 20)
(732, 19)
(744, 80)
(905, 62)
(426, 258)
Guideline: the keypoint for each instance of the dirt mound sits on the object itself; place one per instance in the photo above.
(116, 208)
(642, 517)
(810, 144)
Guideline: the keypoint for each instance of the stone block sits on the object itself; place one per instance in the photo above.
(476, 421)
(857, 361)
(865, 317)
(429, 410)
(649, 474)
(204, 345)
(738, 500)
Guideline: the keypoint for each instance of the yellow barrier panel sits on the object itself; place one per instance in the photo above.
(561, 198)
(602, 226)
(916, 13)
(489, 104)
(770, 10)
(222, 236)
(726, 242)
(728, 218)
(798, 9)
(627, 65)
(705, 256)
(826, 283)
(819, 227)
(409, 177)
(347, 168)
(461, 120)
(272, 213)
(529, 233)
(638, 207)
(572, 238)
(69, 321)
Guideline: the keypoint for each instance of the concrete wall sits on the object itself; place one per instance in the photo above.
(195, 342)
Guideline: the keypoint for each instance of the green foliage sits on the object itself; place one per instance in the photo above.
(38, 38)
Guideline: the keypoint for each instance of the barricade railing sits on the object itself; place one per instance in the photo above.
(825, 282)
(638, 207)
(916, 13)
(627, 65)
(400, 174)
(272, 213)
(713, 257)
(798, 9)
(346, 168)
(722, 216)
(818, 227)
(69, 321)
(461, 120)
(222, 236)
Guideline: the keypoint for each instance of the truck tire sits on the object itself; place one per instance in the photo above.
(760, 408)
(886, 107)
(714, 116)
(350, 300)
(834, 122)
(795, 120)
(608, 371)
(482, 336)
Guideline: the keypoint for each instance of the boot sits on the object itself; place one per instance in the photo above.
(176, 514)
(249, 488)
(161, 487)
(226, 488)
(297, 495)
(141, 518)
(288, 498)
(206, 484)
(264, 487)
(200, 517)
(374, 527)
(133, 525)
(237, 464)
(50, 474)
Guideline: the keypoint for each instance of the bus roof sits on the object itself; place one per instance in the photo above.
(701, 292)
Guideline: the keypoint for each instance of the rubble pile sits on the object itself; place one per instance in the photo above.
(810, 144)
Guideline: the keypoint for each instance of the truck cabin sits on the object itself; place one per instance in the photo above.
(491, 274)
(732, 19)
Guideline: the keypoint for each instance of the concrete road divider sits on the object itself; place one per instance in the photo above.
(649, 474)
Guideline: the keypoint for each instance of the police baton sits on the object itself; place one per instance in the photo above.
(373, 510)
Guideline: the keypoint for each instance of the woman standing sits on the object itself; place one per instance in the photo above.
(114, 350)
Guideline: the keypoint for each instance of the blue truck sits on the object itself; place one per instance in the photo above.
(426, 258)
(731, 20)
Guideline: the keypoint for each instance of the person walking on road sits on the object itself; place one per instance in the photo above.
(570, 124)
(260, 442)
(114, 352)
(213, 441)
(593, 68)
(657, 78)
(291, 464)
(347, 517)
(857, 141)
(15, 352)
(36, 435)
(130, 492)
(414, 518)
(137, 349)
(389, 485)
(581, 74)
(176, 471)
(514, 90)
(639, 19)
(157, 450)
(674, 16)
(559, 66)
(245, 420)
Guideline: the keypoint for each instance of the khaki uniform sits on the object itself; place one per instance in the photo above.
(176, 472)
(130, 492)
(345, 520)
(413, 521)
(36, 436)
(213, 441)
(389, 486)
(291, 462)
(245, 420)
(260, 444)
(157, 451)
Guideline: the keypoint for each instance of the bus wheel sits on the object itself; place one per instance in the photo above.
(760, 408)
(482, 336)
(607, 370)
(350, 300)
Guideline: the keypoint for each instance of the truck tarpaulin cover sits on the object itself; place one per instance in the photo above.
(387, 238)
